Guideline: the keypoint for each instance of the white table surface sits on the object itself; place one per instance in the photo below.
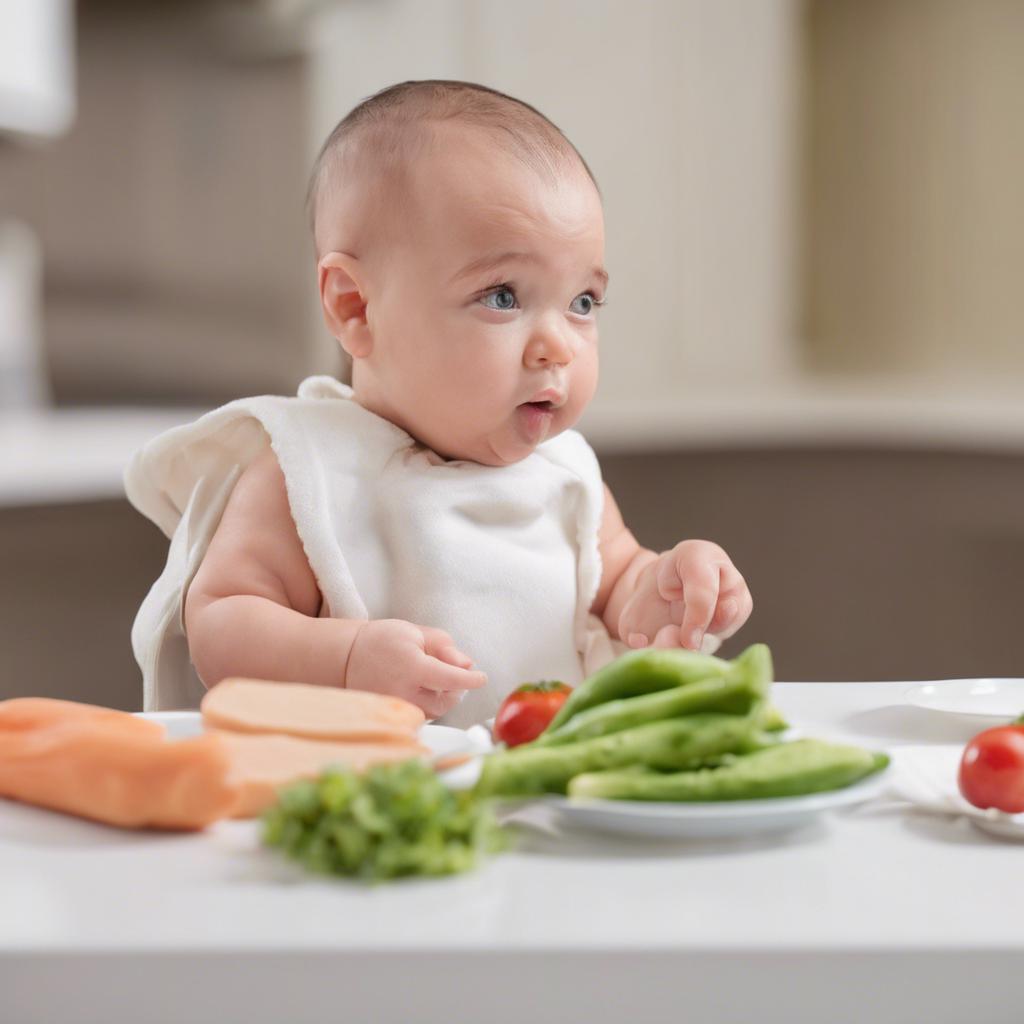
(877, 914)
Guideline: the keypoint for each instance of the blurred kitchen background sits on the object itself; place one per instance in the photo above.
(813, 351)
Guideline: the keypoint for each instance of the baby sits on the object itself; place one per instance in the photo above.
(436, 530)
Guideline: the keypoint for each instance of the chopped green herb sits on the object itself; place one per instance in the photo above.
(396, 819)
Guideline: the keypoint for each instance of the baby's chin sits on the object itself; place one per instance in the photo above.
(498, 444)
(492, 451)
(502, 452)
(485, 455)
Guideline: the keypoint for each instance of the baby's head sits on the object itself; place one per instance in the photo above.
(460, 248)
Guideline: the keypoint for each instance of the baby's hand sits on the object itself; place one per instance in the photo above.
(692, 596)
(420, 664)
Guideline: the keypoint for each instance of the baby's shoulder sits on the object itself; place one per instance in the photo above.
(258, 507)
(263, 474)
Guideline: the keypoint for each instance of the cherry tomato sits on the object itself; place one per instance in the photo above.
(992, 769)
(525, 713)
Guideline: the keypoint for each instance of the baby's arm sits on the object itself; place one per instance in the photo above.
(253, 607)
(622, 561)
(691, 596)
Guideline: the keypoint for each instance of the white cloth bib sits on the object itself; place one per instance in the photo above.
(505, 558)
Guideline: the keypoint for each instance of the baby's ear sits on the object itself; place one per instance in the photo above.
(343, 304)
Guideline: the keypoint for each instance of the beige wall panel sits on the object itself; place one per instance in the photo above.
(916, 216)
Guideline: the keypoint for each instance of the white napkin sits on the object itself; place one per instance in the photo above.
(926, 776)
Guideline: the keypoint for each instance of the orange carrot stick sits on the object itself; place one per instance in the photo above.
(102, 768)
(36, 712)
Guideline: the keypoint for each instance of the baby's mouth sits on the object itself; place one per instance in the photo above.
(536, 419)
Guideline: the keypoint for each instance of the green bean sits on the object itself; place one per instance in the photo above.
(670, 744)
(781, 770)
(639, 672)
(744, 681)
(728, 695)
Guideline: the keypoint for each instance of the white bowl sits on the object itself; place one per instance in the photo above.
(995, 699)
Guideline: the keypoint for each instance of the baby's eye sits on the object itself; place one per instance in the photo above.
(502, 297)
(584, 304)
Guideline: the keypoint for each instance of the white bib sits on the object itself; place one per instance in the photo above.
(505, 558)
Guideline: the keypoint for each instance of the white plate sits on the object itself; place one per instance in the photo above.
(704, 820)
(1008, 827)
(1001, 699)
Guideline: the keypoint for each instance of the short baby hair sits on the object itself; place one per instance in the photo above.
(387, 130)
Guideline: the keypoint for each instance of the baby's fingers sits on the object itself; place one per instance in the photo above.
(668, 579)
(667, 637)
(442, 677)
(734, 602)
(434, 704)
(439, 644)
(733, 610)
(644, 614)
(700, 598)
(445, 668)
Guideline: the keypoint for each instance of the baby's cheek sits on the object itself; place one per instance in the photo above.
(584, 373)
(580, 395)
(451, 386)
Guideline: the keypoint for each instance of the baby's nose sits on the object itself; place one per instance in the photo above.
(548, 345)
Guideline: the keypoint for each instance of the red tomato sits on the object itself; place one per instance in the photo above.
(525, 713)
(992, 769)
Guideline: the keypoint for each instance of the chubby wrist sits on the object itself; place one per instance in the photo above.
(625, 587)
(351, 640)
